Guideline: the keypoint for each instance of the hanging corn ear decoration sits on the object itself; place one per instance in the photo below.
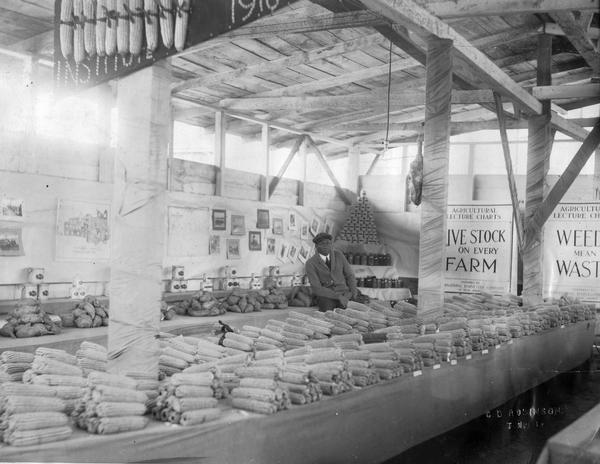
(66, 28)
(124, 14)
(166, 22)
(181, 22)
(151, 24)
(101, 27)
(111, 27)
(89, 27)
(136, 29)
(78, 39)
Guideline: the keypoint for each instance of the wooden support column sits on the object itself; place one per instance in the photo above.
(106, 100)
(139, 220)
(538, 157)
(512, 185)
(266, 151)
(353, 168)
(435, 173)
(220, 132)
(301, 184)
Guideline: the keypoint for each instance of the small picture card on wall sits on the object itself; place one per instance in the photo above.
(303, 253)
(214, 245)
(315, 224)
(233, 248)
(271, 247)
(292, 221)
(254, 241)
(283, 251)
(292, 252)
(219, 219)
(11, 243)
(304, 233)
(262, 219)
(11, 209)
(278, 226)
(328, 229)
(238, 224)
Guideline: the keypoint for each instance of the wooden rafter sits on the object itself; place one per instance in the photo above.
(296, 59)
(275, 181)
(576, 34)
(549, 92)
(341, 192)
(469, 8)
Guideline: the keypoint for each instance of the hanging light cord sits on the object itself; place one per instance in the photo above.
(389, 93)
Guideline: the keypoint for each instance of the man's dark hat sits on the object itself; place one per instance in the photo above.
(322, 236)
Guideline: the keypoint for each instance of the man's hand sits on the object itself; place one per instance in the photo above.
(343, 301)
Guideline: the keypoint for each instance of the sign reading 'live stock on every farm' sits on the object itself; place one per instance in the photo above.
(479, 249)
(571, 258)
(99, 40)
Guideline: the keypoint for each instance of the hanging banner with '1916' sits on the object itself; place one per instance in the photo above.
(479, 249)
(571, 257)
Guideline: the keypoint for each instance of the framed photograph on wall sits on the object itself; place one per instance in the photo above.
(219, 219)
(214, 245)
(238, 224)
(292, 252)
(271, 246)
(283, 251)
(303, 253)
(262, 219)
(304, 233)
(315, 224)
(11, 209)
(254, 240)
(11, 243)
(278, 226)
(293, 223)
(233, 248)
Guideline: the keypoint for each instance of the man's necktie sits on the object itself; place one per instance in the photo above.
(328, 262)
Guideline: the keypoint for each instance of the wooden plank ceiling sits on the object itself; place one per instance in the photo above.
(323, 66)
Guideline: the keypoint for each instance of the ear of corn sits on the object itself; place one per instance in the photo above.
(260, 407)
(151, 24)
(181, 22)
(109, 409)
(262, 372)
(136, 29)
(89, 27)
(123, 26)
(111, 27)
(199, 379)
(36, 420)
(69, 392)
(42, 365)
(55, 354)
(16, 357)
(100, 31)
(17, 389)
(18, 404)
(111, 380)
(105, 393)
(175, 353)
(192, 391)
(199, 416)
(38, 437)
(166, 12)
(190, 404)
(250, 382)
(66, 28)
(108, 425)
(57, 380)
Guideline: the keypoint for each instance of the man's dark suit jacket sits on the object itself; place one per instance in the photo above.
(330, 283)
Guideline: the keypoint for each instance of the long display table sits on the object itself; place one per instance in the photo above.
(368, 425)
(70, 338)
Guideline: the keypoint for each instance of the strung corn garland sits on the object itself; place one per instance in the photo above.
(110, 404)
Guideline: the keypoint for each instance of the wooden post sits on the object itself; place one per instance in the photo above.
(266, 150)
(139, 213)
(353, 168)
(538, 157)
(301, 183)
(220, 132)
(435, 173)
(512, 185)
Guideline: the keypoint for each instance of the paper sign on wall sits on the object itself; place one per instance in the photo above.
(571, 257)
(479, 248)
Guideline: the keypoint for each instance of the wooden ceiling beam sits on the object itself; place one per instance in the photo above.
(549, 92)
(472, 8)
(423, 23)
(576, 33)
(296, 59)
